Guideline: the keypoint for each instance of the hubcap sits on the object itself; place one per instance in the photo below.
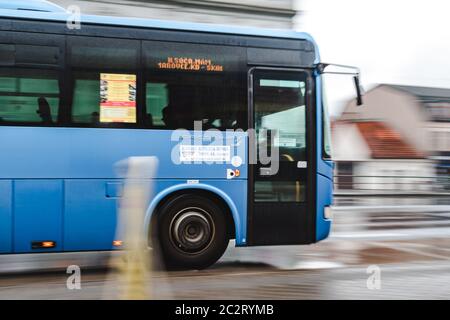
(192, 230)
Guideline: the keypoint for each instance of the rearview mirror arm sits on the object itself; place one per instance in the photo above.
(355, 73)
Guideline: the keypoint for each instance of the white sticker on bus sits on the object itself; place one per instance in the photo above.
(285, 142)
(200, 153)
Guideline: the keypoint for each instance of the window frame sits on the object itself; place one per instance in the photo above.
(326, 124)
(310, 136)
(19, 38)
(240, 74)
(59, 96)
(71, 41)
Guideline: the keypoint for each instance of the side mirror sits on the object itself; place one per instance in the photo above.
(354, 71)
(359, 100)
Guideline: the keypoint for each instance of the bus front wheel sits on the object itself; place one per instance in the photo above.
(192, 232)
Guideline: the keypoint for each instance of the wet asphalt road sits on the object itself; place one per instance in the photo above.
(407, 271)
(410, 250)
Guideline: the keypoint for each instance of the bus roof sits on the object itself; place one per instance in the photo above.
(62, 16)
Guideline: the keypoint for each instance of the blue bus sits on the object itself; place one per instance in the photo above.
(75, 101)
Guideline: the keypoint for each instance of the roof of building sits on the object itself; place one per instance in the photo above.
(425, 94)
(386, 143)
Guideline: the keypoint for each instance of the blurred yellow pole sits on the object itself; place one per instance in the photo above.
(135, 265)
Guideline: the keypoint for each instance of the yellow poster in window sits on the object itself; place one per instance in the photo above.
(117, 98)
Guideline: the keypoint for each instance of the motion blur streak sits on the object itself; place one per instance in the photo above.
(392, 164)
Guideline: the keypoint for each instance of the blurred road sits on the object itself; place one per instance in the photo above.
(410, 245)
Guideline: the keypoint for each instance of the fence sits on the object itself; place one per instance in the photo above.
(370, 184)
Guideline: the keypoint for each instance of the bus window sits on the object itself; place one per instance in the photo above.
(86, 100)
(189, 82)
(97, 100)
(157, 97)
(104, 75)
(172, 105)
(279, 108)
(29, 96)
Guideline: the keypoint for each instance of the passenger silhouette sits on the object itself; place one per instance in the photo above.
(169, 117)
(44, 111)
(95, 118)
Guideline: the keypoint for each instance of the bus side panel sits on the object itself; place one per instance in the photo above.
(90, 214)
(37, 214)
(89, 153)
(324, 198)
(5, 216)
(324, 187)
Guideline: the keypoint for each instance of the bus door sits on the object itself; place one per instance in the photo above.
(280, 170)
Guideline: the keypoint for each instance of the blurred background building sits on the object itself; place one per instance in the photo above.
(399, 140)
(257, 13)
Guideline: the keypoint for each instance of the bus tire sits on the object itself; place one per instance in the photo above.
(192, 232)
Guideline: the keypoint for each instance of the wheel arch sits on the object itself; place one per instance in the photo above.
(232, 216)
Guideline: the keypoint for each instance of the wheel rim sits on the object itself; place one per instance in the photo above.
(192, 230)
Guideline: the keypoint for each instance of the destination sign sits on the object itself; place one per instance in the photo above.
(190, 64)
